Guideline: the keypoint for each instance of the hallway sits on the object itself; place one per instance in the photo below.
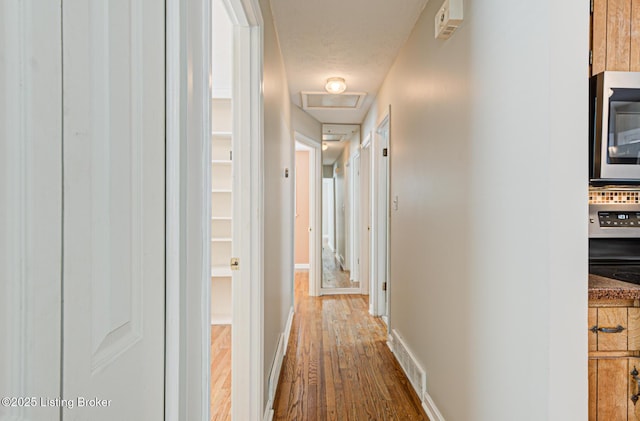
(338, 366)
(332, 274)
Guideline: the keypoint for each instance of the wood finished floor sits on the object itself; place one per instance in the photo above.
(338, 366)
(220, 372)
(332, 274)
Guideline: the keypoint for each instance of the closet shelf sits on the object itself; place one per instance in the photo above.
(220, 271)
(221, 239)
(220, 190)
(221, 135)
(221, 218)
(221, 161)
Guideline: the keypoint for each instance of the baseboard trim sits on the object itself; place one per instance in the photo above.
(268, 415)
(430, 408)
(287, 331)
(276, 367)
(416, 375)
(301, 266)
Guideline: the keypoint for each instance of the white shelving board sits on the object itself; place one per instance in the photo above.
(220, 271)
(221, 208)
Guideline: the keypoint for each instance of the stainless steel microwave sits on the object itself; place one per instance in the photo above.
(614, 120)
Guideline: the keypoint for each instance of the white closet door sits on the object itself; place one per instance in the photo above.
(30, 206)
(114, 190)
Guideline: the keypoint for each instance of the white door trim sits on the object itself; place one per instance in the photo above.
(187, 380)
(365, 220)
(380, 223)
(248, 222)
(355, 218)
(315, 212)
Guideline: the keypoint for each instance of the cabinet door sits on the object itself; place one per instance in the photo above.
(593, 336)
(633, 324)
(633, 404)
(618, 35)
(593, 387)
(611, 318)
(612, 387)
(615, 35)
(599, 36)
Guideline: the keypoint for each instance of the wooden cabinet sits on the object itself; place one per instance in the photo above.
(615, 35)
(614, 360)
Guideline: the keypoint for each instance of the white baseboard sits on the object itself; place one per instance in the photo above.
(301, 266)
(276, 367)
(287, 331)
(268, 415)
(430, 408)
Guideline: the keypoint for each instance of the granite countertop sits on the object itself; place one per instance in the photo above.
(601, 288)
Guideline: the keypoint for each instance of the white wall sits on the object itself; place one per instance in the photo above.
(488, 158)
(305, 124)
(278, 195)
(221, 46)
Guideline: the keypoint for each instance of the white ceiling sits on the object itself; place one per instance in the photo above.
(335, 137)
(354, 39)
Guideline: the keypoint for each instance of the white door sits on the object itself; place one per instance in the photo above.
(365, 216)
(114, 201)
(355, 220)
(30, 207)
(382, 220)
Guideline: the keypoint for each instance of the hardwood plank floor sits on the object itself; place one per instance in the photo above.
(220, 372)
(332, 274)
(338, 366)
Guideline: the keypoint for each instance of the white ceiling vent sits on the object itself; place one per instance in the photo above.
(325, 101)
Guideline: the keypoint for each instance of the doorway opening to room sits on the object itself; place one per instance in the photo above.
(222, 211)
(307, 212)
(340, 209)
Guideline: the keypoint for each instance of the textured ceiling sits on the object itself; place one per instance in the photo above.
(354, 39)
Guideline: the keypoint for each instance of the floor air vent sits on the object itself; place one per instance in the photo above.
(412, 369)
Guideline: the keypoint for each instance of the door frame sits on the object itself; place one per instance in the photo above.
(365, 221)
(330, 212)
(315, 211)
(355, 220)
(381, 212)
(188, 121)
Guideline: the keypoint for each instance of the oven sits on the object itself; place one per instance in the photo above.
(614, 128)
(614, 241)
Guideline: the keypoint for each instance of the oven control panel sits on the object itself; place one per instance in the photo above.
(620, 220)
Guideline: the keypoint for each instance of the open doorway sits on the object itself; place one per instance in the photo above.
(340, 163)
(222, 211)
(308, 211)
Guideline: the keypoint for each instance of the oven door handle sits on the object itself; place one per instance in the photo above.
(617, 329)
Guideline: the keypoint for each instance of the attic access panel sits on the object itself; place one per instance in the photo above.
(325, 101)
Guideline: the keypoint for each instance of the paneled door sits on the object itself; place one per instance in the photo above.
(114, 201)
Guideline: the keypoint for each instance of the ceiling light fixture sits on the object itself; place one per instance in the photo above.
(325, 146)
(335, 85)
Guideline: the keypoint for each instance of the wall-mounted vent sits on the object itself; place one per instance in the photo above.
(415, 373)
(325, 101)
